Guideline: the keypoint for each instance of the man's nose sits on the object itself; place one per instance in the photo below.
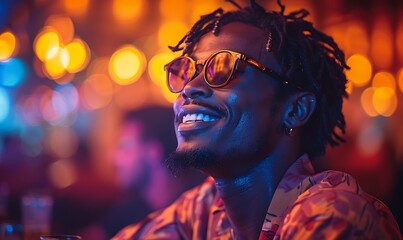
(197, 87)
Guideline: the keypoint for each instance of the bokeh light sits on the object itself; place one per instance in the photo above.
(96, 91)
(8, 43)
(127, 10)
(77, 52)
(53, 66)
(12, 72)
(361, 70)
(4, 104)
(156, 67)
(76, 7)
(126, 65)
(47, 44)
(63, 25)
(384, 101)
(366, 102)
(176, 11)
(61, 141)
(171, 32)
(62, 173)
(384, 79)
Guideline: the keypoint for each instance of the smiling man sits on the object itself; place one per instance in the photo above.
(260, 94)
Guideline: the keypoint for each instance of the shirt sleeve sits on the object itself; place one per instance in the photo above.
(338, 214)
(181, 220)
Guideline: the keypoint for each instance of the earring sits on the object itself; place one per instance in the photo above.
(288, 131)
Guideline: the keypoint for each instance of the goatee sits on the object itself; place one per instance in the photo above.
(179, 162)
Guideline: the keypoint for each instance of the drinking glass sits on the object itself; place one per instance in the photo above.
(36, 214)
(60, 237)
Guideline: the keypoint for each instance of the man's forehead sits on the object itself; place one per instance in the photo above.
(235, 36)
(239, 37)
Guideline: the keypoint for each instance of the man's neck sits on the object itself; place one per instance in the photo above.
(247, 197)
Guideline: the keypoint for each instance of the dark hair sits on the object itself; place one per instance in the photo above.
(309, 59)
(157, 124)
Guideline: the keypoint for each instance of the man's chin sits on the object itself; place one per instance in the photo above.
(180, 161)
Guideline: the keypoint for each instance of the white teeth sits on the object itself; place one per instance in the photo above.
(189, 118)
(199, 117)
(206, 118)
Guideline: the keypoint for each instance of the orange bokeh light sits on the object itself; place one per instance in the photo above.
(76, 7)
(361, 70)
(8, 43)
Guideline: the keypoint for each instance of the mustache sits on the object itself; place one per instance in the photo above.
(206, 105)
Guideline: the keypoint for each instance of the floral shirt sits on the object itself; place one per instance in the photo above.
(327, 205)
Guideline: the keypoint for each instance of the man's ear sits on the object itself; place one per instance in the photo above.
(299, 109)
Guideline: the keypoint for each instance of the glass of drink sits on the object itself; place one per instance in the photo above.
(60, 237)
(36, 214)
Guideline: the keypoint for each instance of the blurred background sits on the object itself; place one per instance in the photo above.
(70, 69)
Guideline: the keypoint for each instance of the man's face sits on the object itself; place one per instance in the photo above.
(245, 117)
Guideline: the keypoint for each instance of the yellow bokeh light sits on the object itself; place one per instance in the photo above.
(76, 7)
(53, 67)
(384, 79)
(361, 70)
(127, 10)
(63, 25)
(400, 79)
(156, 67)
(126, 65)
(366, 102)
(171, 32)
(7, 45)
(45, 41)
(384, 101)
(78, 52)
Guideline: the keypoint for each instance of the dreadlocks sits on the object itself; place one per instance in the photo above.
(309, 59)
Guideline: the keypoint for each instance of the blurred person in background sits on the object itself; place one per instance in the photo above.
(260, 97)
(145, 138)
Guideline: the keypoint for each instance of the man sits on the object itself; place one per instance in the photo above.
(260, 94)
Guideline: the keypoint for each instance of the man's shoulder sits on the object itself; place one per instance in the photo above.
(339, 194)
(336, 200)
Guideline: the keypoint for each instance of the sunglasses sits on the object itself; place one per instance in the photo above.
(218, 69)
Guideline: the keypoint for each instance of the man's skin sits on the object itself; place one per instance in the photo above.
(248, 137)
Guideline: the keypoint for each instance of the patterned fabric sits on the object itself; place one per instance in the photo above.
(327, 205)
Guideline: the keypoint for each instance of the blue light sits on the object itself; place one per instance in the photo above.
(12, 72)
(4, 104)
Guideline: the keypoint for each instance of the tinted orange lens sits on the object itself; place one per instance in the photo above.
(219, 68)
(179, 72)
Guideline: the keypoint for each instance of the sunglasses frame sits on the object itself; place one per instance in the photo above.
(237, 55)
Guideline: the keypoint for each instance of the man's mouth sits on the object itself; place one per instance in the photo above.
(198, 117)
